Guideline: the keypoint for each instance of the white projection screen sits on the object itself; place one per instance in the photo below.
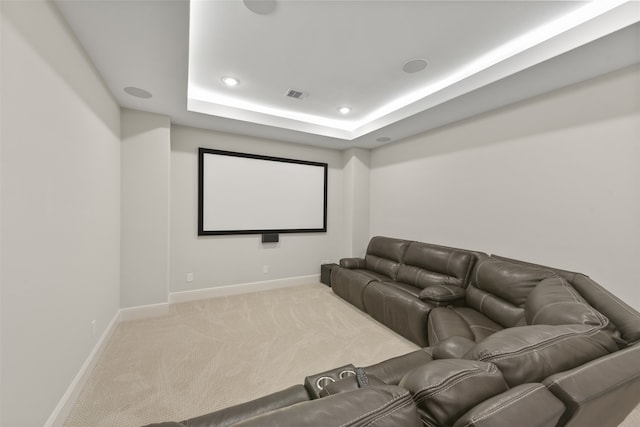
(250, 194)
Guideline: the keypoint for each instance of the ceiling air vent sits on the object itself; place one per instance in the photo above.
(295, 94)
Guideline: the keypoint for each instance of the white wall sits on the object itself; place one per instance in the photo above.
(228, 260)
(145, 208)
(356, 200)
(553, 180)
(60, 216)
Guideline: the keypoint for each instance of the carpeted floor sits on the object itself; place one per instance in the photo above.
(210, 354)
(214, 353)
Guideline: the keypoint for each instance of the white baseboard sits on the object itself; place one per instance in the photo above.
(62, 410)
(144, 311)
(243, 288)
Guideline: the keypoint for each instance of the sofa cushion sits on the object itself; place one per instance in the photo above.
(532, 353)
(445, 389)
(391, 371)
(555, 302)
(350, 285)
(427, 265)
(459, 321)
(499, 289)
(386, 267)
(384, 255)
(399, 310)
(508, 281)
(500, 311)
(442, 294)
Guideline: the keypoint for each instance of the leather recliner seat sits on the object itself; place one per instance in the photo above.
(527, 345)
(398, 282)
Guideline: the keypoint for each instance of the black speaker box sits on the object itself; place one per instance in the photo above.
(270, 238)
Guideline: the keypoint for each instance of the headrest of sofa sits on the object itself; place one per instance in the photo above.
(509, 281)
(428, 265)
(532, 353)
(555, 302)
(387, 248)
(447, 388)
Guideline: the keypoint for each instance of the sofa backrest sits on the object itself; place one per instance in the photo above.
(384, 255)
(625, 319)
(499, 289)
(425, 265)
(555, 302)
(532, 353)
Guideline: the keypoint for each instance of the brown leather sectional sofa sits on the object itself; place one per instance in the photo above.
(505, 343)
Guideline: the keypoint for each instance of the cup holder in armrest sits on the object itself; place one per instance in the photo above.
(347, 373)
(316, 383)
(322, 382)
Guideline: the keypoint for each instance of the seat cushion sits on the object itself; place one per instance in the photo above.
(459, 321)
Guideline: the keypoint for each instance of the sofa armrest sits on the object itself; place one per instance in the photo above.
(592, 390)
(347, 384)
(526, 405)
(443, 295)
(444, 389)
(234, 414)
(382, 406)
(352, 263)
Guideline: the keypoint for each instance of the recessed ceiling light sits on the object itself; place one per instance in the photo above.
(414, 65)
(344, 110)
(261, 7)
(230, 81)
(137, 92)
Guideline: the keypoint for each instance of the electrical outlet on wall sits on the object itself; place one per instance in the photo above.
(265, 269)
(189, 277)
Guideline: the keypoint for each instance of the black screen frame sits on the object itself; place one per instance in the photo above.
(202, 152)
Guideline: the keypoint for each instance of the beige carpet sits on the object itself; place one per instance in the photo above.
(211, 354)
(214, 353)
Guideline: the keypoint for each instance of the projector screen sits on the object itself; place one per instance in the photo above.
(250, 194)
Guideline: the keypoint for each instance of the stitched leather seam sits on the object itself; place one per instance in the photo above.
(456, 377)
(506, 404)
(551, 342)
(484, 327)
(392, 401)
(386, 414)
(447, 387)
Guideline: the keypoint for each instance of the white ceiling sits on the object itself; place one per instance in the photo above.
(481, 55)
